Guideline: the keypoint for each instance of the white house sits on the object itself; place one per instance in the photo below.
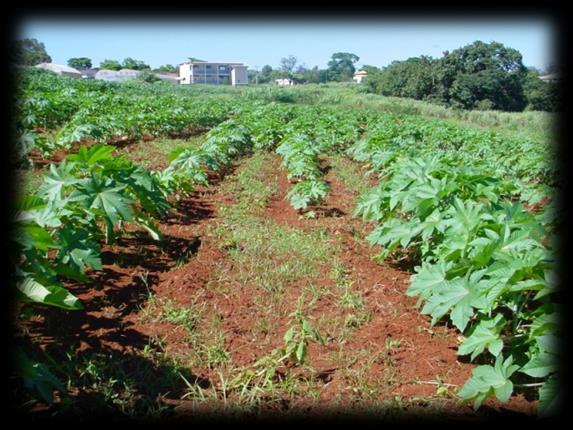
(284, 81)
(360, 75)
(204, 72)
(60, 69)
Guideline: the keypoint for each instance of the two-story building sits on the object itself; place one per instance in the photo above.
(204, 72)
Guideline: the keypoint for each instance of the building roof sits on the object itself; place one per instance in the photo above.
(117, 75)
(361, 72)
(90, 72)
(212, 62)
(59, 68)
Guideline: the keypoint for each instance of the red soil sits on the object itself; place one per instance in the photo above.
(111, 323)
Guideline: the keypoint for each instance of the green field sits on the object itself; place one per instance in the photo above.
(464, 200)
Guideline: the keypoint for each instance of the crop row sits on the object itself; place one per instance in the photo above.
(87, 199)
(484, 261)
(449, 198)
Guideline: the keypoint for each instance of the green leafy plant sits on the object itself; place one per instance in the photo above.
(307, 193)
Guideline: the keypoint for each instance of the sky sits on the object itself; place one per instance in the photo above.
(258, 42)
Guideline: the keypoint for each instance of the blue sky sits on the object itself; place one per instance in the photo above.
(258, 42)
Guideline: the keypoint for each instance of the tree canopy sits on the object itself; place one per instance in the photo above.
(341, 66)
(110, 65)
(540, 95)
(29, 52)
(167, 68)
(482, 73)
(477, 76)
(80, 63)
(130, 63)
(288, 64)
(413, 77)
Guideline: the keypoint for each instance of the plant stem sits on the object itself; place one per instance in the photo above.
(437, 383)
(535, 384)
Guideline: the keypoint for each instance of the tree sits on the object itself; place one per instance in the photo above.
(540, 95)
(371, 70)
(312, 76)
(265, 75)
(29, 52)
(288, 64)
(167, 68)
(479, 72)
(130, 63)
(371, 80)
(110, 65)
(413, 78)
(279, 74)
(305, 75)
(253, 76)
(341, 66)
(80, 63)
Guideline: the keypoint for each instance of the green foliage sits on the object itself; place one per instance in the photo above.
(130, 63)
(490, 380)
(287, 64)
(540, 95)
(80, 63)
(110, 65)
(483, 71)
(307, 193)
(29, 52)
(36, 376)
(86, 199)
(341, 66)
(486, 263)
(148, 77)
(296, 341)
(371, 70)
(104, 112)
(295, 349)
(451, 199)
(480, 75)
(414, 77)
(304, 75)
(265, 74)
(167, 68)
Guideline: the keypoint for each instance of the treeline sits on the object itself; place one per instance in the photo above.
(477, 76)
(483, 76)
(340, 68)
(29, 52)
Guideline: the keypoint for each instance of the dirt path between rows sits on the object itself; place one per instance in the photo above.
(424, 352)
(393, 355)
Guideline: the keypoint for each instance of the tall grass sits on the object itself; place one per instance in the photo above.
(533, 124)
